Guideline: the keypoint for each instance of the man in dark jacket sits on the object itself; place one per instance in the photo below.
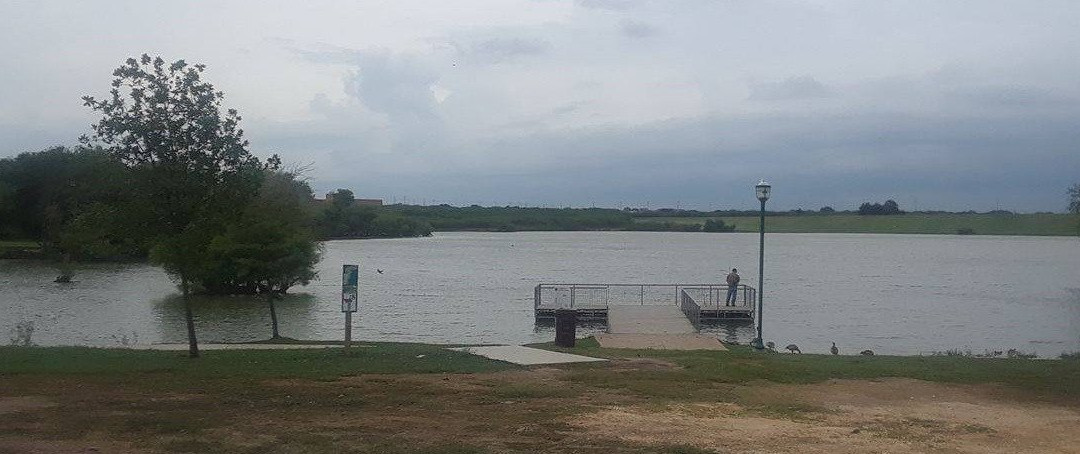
(732, 287)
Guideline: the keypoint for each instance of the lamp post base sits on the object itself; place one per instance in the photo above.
(758, 344)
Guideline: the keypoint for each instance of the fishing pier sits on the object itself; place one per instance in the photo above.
(645, 308)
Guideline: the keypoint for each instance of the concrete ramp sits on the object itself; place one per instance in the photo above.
(666, 319)
(527, 356)
(660, 341)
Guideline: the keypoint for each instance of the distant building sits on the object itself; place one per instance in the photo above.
(362, 202)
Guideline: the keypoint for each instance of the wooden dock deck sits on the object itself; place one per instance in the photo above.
(698, 302)
(648, 320)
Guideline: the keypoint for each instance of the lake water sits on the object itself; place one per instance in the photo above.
(895, 294)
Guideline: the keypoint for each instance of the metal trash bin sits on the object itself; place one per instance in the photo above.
(565, 327)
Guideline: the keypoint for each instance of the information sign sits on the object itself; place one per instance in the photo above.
(350, 278)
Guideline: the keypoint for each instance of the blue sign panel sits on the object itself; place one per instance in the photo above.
(350, 279)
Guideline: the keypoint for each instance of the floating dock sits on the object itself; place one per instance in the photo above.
(642, 308)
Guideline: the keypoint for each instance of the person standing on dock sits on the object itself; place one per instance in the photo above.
(732, 287)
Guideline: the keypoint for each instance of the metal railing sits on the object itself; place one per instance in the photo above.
(600, 296)
(690, 308)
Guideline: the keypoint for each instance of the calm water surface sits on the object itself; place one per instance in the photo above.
(898, 294)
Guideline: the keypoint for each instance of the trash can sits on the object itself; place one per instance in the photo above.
(565, 327)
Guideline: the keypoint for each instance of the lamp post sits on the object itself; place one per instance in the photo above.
(763, 190)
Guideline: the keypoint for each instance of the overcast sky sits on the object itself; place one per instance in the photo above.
(937, 104)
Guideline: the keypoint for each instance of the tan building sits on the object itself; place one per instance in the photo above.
(362, 202)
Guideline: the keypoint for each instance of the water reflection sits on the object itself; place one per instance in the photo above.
(545, 327)
(238, 318)
(737, 330)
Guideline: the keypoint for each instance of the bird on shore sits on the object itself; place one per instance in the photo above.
(771, 346)
(834, 350)
(867, 352)
(793, 348)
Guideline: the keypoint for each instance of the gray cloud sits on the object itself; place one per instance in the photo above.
(550, 102)
(792, 88)
(1012, 96)
(395, 84)
(959, 163)
(636, 29)
(610, 5)
(502, 49)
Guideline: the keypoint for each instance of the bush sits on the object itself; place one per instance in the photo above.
(717, 225)
(888, 208)
(965, 231)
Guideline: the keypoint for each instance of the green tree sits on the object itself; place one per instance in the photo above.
(342, 218)
(41, 192)
(190, 162)
(268, 248)
(1074, 203)
(1074, 199)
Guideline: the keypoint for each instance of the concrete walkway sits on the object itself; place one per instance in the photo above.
(660, 341)
(667, 319)
(527, 356)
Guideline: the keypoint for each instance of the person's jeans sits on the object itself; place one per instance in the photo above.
(732, 292)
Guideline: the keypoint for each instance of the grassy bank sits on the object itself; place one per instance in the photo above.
(19, 249)
(327, 363)
(739, 365)
(389, 398)
(1050, 379)
(944, 223)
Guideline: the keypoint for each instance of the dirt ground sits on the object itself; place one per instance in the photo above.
(850, 416)
(536, 410)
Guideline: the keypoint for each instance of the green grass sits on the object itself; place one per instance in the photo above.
(702, 370)
(330, 363)
(377, 398)
(19, 244)
(698, 371)
(948, 224)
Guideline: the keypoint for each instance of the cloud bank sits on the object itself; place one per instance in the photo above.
(605, 102)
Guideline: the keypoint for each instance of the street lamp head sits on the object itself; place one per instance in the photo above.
(764, 190)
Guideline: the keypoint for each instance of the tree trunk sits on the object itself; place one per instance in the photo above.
(273, 314)
(193, 343)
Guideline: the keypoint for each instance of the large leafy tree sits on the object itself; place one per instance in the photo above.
(190, 161)
(270, 247)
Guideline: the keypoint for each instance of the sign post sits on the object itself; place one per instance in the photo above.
(350, 277)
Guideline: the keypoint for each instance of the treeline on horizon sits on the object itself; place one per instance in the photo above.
(75, 202)
(512, 219)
